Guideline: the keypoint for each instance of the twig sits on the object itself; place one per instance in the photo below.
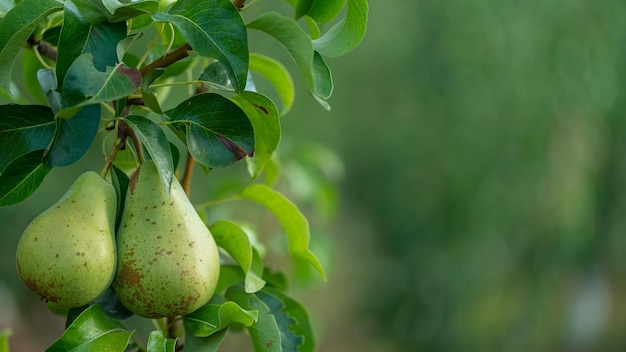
(167, 59)
(44, 49)
(239, 4)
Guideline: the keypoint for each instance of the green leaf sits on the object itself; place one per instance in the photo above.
(234, 240)
(124, 44)
(15, 28)
(212, 318)
(214, 29)
(79, 37)
(96, 11)
(264, 333)
(73, 137)
(30, 66)
(263, 115)
(157, 342)
(323, 80)
(23, 129)
(325, 10)
(292, 319)
(86, 85)
(278, 76)
(218, 131)
(303, 7)
(111, 305)
(149, 97)
(120, 181)
(204, 344)
(5, 334)
(48, 82)
(22, 177)
(346, 35)
(216, 76)
(92, 331)
(295, 225)
(229, 275)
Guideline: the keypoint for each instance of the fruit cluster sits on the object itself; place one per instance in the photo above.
(162, 262)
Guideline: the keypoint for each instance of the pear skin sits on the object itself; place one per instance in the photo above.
(67, 253)
(168, 262)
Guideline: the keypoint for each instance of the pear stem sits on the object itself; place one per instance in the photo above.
(186, 180)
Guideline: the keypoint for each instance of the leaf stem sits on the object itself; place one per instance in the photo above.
(168, 59)
(152, 44)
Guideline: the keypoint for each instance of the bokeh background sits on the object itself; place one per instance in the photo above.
(481, 204)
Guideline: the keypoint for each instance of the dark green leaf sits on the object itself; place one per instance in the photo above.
(212, 318)
(204, 344)
(113, 10)
(120, 181)
(295, 225)
(111, 305)
(157, 342)
(346, 35)
(264, 333)
(218, 131)
(292, 319)
(92, 331)
(149, 97)
(325, 10)
(48, 82)
(23, 129)
(22, 177)
(154, 140)
(73, 137)
(217, 76)
(263, 115)
(15, 28)
(234, 240)
(278, 76)
(214, 29)
(51, 35)
(303, 7)
(229, 275)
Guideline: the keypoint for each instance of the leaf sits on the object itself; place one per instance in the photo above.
(278, 76)
(229, 275)
(149, 97)
(323, 80)
(48, 83)
(292, 319)
(212, 318)
(157, 342)
(294, 224)
(154, 140)
(325, 10)
(23, 129)
(263, 115)
(204, 344)
(30, 66)
(218, 131)
(5, 334)
(216, 76)
(264, 333)
(347, 34)
(120, 181)
(15, 28)
(113, 10)
(124, 44)
(92, 331)
(73, 137)
(234, 240)
(22, 177)
(78, 37)
(111, 305)
(214, 29)
(85, 85)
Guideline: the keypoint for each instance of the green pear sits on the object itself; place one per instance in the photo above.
(168, 262)
(67, 253)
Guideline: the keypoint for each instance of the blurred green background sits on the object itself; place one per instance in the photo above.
(482, 205)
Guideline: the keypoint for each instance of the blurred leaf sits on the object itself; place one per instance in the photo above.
(111, 305)
(73, 137)
(214, 29)
(23, 129)
(92, 331)
(346, 35)
(78, 37)
(229, 275)
(113, 10)
(292, 319)
(51, 35)
(234, 240)
(5, 6)
(278, 76)
(325, 10)
(155, 141)
(22, 177)
(218, 132)
(295, 225)
(5, 334)
(314, 29)
(15, 28)
(85, 85)
(157, 342)
(212, 318)
(124, 44)
(264, 333)
(323, 80)
(263, 115)
(30, 66)
(204, 344)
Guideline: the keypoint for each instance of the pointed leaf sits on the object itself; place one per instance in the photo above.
(346, 35)
(96, 11)
(217, 76)
(157, 342)
(92, 331)
(278, 76)
(295, 225)
(149, 97)
(23, 129)
(154, 140)
(212, 318)
(22, 177)
(73, 137)
(234, 240)
(15, 28)
(263, 115)
(218, 131)
(264, 333)
(214, 29)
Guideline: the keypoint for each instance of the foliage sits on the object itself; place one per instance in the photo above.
(170, 81)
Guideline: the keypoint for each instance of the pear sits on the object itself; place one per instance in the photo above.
(168, 262)
(67, 253)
